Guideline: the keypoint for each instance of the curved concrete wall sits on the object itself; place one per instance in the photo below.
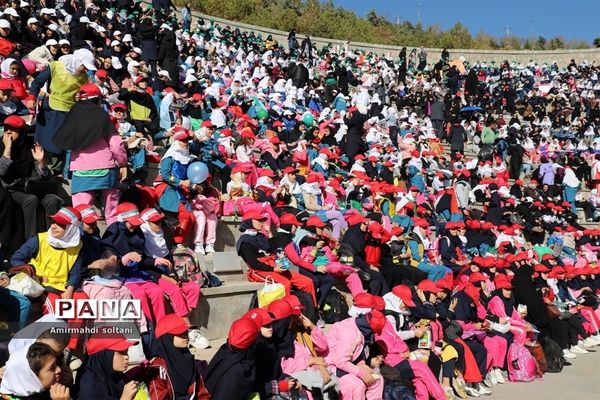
(563, 57)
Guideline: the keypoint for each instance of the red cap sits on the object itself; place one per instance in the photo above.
(444, 283)
(277, 123)
(378, 303)
(404, 293)
(289, 219)
(140, 78)
(260, 316)
(355, 219)
(88, 214)
(274, 140)
(102, 74)
(180, 133)
(242, 333)
(208, 124)
(173, 324)
(266, 172)
(197, 97)
(128, 212)
(119, 106)
(363, 300)
(247, 133)
(294, 302)
(428, 286)
(89, 91)
(226, 132)
(315, 221)
(541, 268)
(98, 343)
(420, 222)
(476, 277)
(312, 178)
(253, 214)
(241, 167)
(290, 170)
(66, 216)
(502, 282)
(547, 257)
(352, 109)
(14, 121)
(151, 215)
(376, 321)
(558, 270)
(280, 309)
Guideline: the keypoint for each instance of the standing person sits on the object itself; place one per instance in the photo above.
(168, 53)
(292, 41)
(20, 159)
(147, 33)
(422, 59)
(65, 78)
(186, 17)
(306, 48)
(571, 186)
(98, 158)
(438, 112)
(457, 138)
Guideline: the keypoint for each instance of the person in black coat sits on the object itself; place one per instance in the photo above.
(354, 138)
(31, 37)
(168, 53)
(299, 75)
(147, 32)
(457, 137)
(231, 372)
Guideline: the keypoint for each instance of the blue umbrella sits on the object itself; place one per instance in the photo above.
(471, 109)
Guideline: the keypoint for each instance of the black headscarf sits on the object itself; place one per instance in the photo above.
(180, 363)
(21, 157)
(84, 125)
(99, 380)
(526, 293)
(257, 241)
(355, 238)
(231, 373)
(509, 303)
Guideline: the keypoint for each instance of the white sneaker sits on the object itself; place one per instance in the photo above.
(578, 350)
(490, 380)
(209, 248)
(198, 341)
(199, 248)
(568, 354)
(471, 391)
(588, 343)
(483, 391)
(596, 339)
(498, 375)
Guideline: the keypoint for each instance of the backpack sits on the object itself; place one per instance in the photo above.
(434, 254)
(187, 267)
(537, 352)
(335, 308)
(522, 366)
(554, 355)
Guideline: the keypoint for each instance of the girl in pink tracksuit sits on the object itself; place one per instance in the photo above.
(205, 209)
(349, 342)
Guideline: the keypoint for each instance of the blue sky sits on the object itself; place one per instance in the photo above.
(572, 19)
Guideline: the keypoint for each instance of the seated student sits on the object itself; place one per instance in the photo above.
(103, 377)
(34, 375)
(172, 373)
(349, 342)
(253, 247)
(231, 371)
(55, 255)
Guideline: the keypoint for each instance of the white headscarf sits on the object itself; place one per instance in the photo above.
(5, 68)
(71, 62)
(71, 238)
(311, 188)
(19, 379)
(28, 335)
(570, 179)
(178, 153)
(155, 244)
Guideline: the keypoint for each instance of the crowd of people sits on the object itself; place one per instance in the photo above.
(439, 199)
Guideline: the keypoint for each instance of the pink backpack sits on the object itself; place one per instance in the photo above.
(521, 364)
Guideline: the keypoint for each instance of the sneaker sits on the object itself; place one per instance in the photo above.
(596, 339)
(578, 350)
(483, 391)
(498, 375)
(471, 391)
(199, 248)
(458, 384)
(587, 343)
(567, 354)
(198, 341)
(449, 393)
(209, 248)
(490, 381)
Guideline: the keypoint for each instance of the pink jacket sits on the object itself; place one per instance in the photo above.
(100, 155)
(346, 343)
(496, 307)
(394, 347)
(299, 362)
(306, 253)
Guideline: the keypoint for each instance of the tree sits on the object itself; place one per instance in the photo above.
(540, 43)
(596, 42)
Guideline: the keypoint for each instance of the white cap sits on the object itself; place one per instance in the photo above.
(164, 73)
(24, 4)
(117, 33)
(84, 20)
(4, 24)
(11, 11)
(134, 63)
(53, 27)
(51, 42)
(115, 43)
(137, 50)
(49, 11)
(32, 20)
(116, 63)
(189, 79)
(165, 26)
(127, 38)
(64, 41)
(86, 58)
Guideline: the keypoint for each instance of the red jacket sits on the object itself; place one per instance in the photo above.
(160, 387)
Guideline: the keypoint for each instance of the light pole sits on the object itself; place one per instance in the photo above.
(419, 12)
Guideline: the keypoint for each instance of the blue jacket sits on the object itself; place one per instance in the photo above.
(172, 173)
